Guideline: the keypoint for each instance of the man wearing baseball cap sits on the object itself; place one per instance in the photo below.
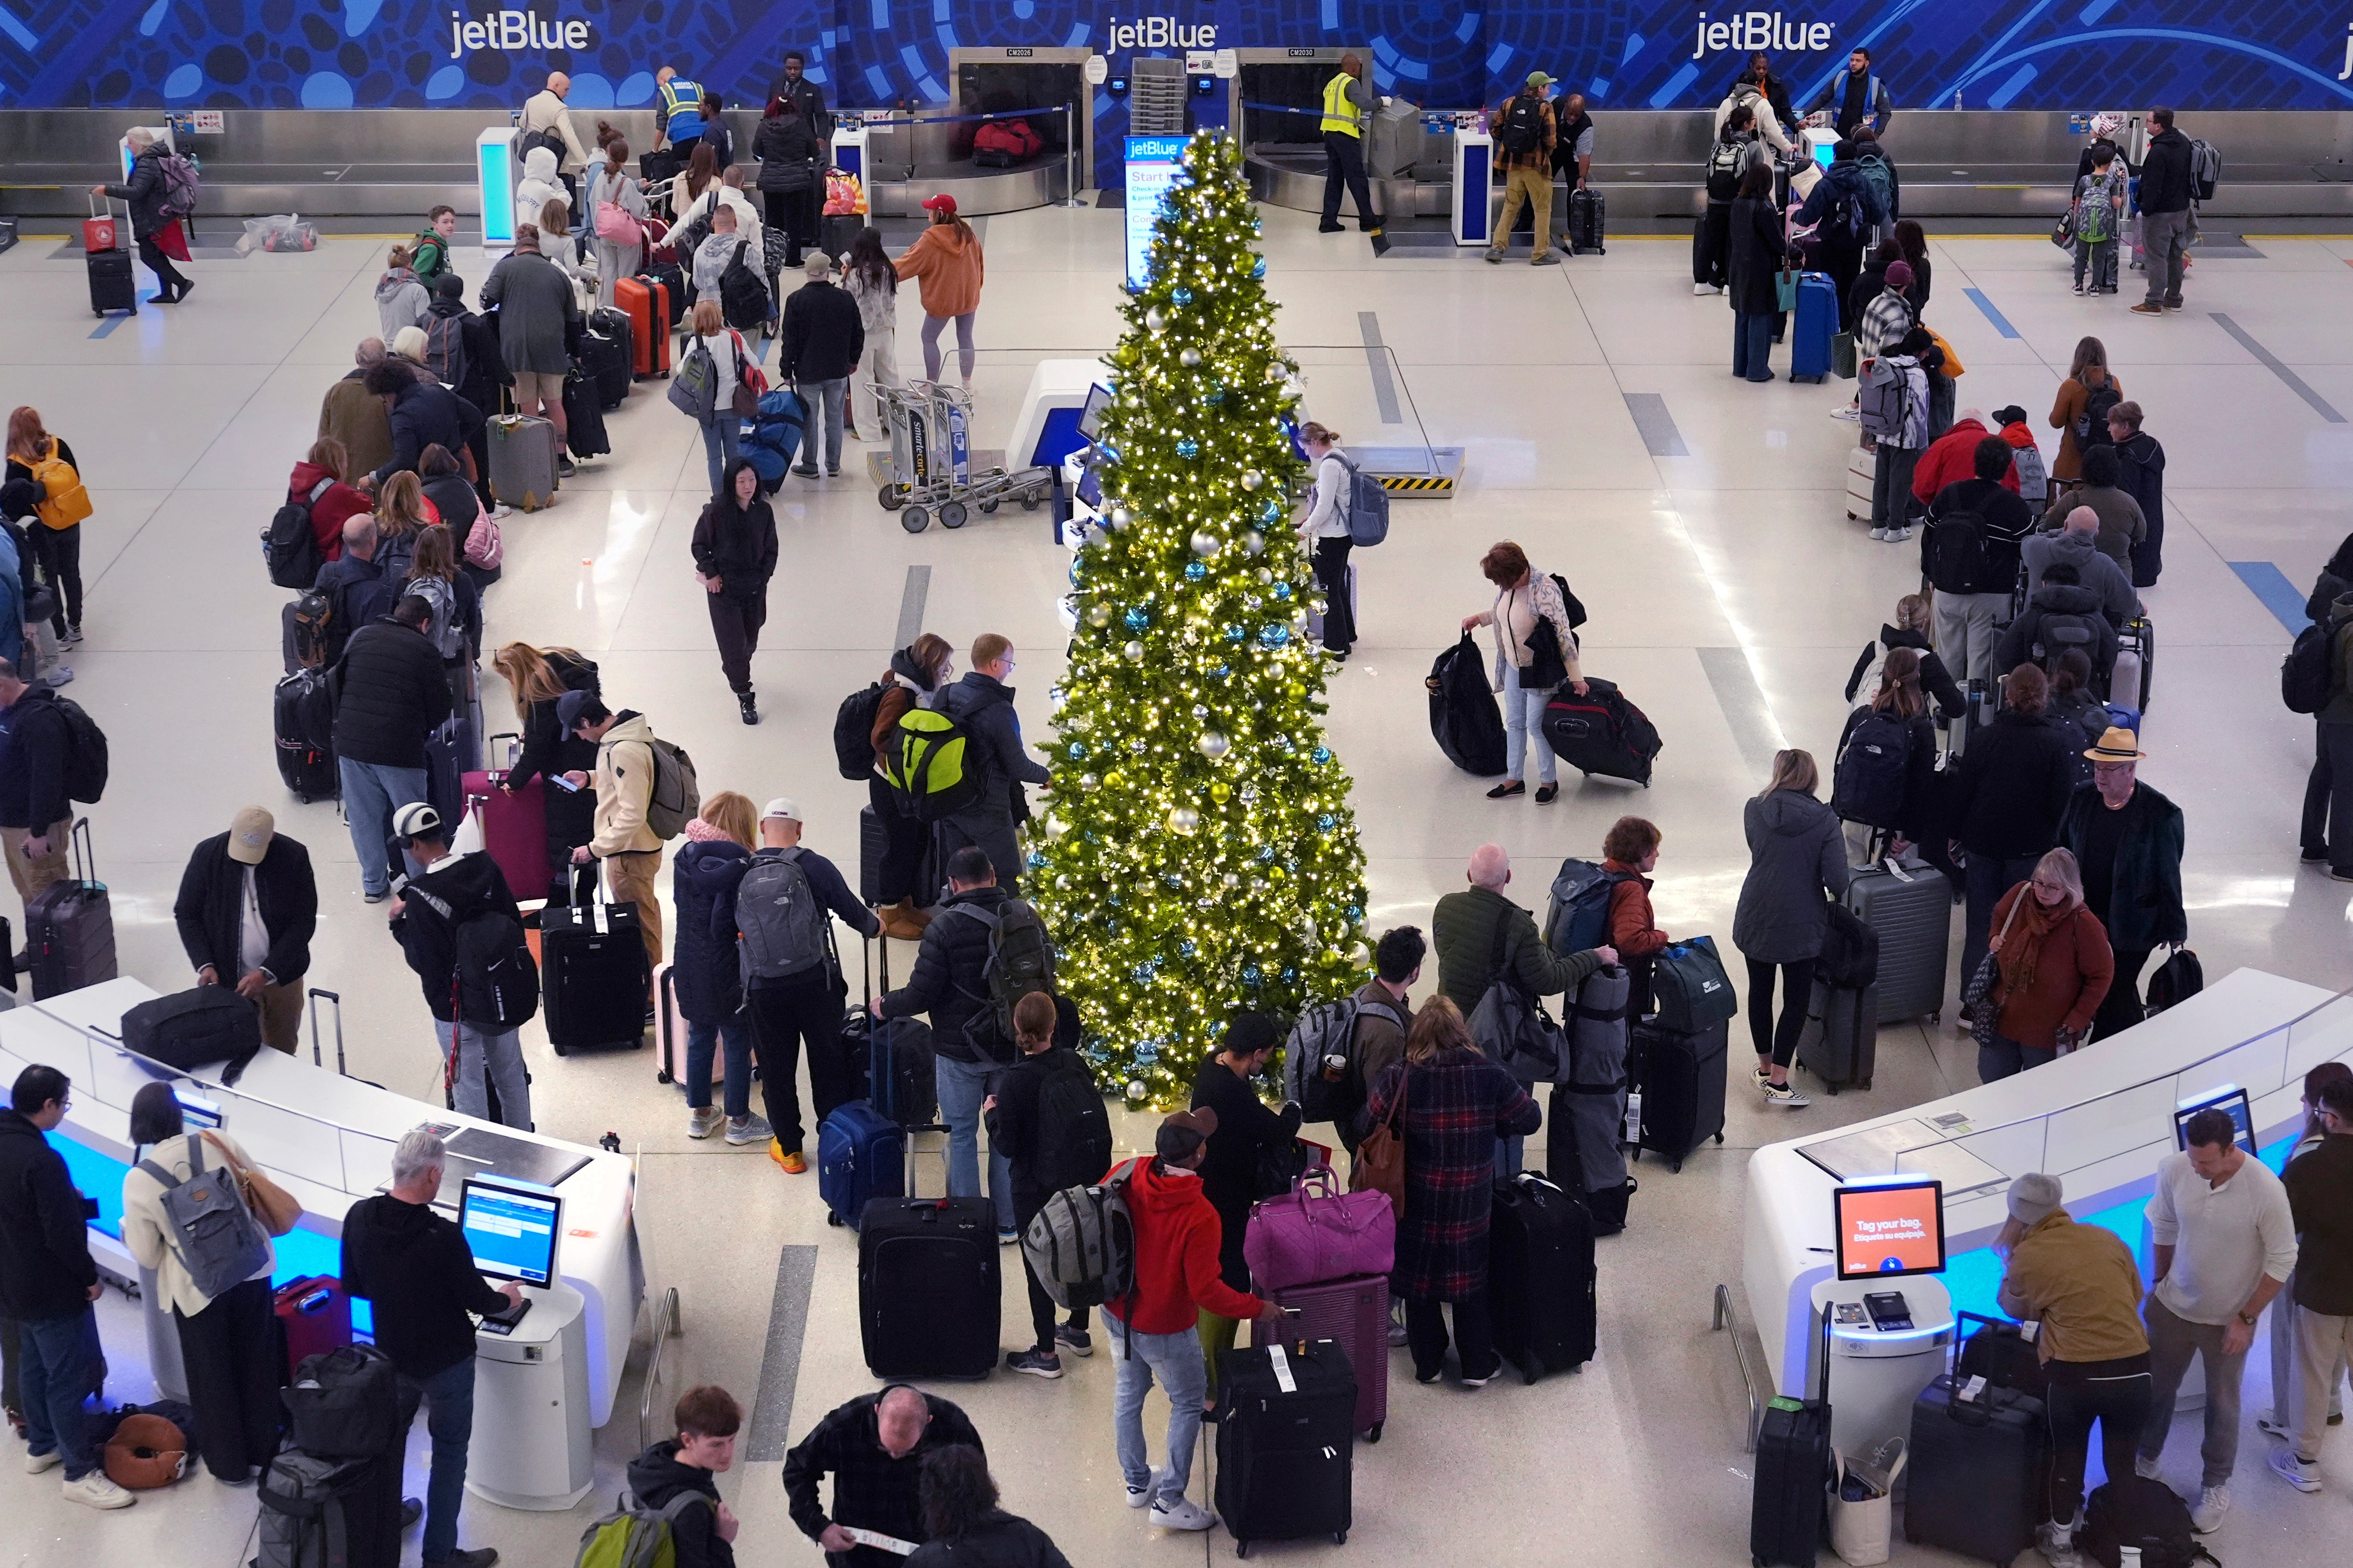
(483, 1057)
(2080, 1283)
(1178, 1236)
(2128, 840)
(246, 908)
(779, 911)
(1524, 141)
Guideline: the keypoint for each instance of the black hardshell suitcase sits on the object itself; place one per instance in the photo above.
(1541, 1277)
(1839, 1042)
(1588, 223)
(1979, 1481)
(594, 983)
(1912, 912)
(1790, 1501)
(1285, 1458)
(70, 927)
(1680, 1076)
(584, 416)
(929, 1287)
(111, 285)
(609, 355)
(303, 714)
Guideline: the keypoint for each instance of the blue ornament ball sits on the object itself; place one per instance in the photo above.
(1320, 755)
(1188, 448)
(1272, 511)
(1282, 590)
(1258, 268)
(1223, 669)
(1253, 977)
(1186, 948)
(1182, 296)
(1326, 822)
(1037, 859)
(1195, 570)
(1078, 751)
(1138, 618)
(1273, 636)
(1236, 634)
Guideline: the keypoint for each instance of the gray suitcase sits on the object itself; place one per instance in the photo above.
(522, 461)
(1840, 1044)
(1912, 911)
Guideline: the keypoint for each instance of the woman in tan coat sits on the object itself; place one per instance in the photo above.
(947, 262)
(2089, 371)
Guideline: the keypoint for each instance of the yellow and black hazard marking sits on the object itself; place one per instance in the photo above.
(1419, 484)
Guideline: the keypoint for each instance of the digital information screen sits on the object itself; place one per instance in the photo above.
(510, 1230)
(2232, 1101)
(1891, 1228)
(1153, 165)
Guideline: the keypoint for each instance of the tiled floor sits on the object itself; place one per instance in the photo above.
(1735, 555)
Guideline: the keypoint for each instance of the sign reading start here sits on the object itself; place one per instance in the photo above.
(1153, 164)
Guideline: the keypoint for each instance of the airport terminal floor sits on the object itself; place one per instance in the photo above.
(1699, 517)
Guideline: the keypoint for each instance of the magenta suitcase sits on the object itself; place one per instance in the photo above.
(1356, 1313)
(514, 827)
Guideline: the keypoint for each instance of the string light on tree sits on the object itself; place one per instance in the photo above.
(1200, 856)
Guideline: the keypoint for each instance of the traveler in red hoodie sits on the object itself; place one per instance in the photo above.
(1176, 1278)
(1952, 458)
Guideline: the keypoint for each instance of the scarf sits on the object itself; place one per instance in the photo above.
(702, 832)
(2022, 949)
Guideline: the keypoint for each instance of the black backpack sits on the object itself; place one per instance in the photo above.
(1724, 160)
(2305, 677)
(497, 983)
(2177, 980)
(2092, 424)
(1850, 957)
(853, 732)
(288, 545)
(1521, 131)
(1957, 553)
(2059, 630)
(1073, 1129)
(2132, 1511)
(742, 298)
(85, 752)
(1867, 782)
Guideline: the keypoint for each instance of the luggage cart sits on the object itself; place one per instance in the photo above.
(930, 466)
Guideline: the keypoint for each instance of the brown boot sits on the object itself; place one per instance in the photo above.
(899, 920)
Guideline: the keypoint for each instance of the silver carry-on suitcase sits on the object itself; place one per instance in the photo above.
(1911, 908)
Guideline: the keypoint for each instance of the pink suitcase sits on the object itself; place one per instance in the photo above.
(1356, 1313)
(669, 1037)
(514, 827)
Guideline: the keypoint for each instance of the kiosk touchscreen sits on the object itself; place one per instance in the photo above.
(1889, 1228)
(511, 1228)
(2230, 1100)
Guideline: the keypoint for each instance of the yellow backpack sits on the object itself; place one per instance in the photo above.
(67, 501)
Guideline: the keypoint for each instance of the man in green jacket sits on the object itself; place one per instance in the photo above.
(2127, 840)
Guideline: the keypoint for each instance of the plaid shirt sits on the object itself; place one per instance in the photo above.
(871, 1488)
(1456, 1106)
(1884, 323)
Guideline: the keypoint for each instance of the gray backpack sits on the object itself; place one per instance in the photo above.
(449, 637)
(781, 927)
(1081, 1245)
(215, 1235)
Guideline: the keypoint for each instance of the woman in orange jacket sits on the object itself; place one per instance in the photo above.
(946, 263)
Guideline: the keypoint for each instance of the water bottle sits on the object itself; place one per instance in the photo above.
(1957, 98)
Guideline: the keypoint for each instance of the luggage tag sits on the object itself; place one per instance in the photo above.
(1897, 872)
(1281, 1363)
(1973, 1390)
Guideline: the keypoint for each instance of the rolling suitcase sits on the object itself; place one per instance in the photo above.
(605, 357)
(1588, 222)
(312, 1315)
(1789, 1503)
(111, 285)
(584, 415)
(873, 845)
(522, 461)
(514, 827)
(2135, 665)
(1541, 1278)
(671, 1027)
(1911, 908)
(677, 294)
(69, 926)
(646, 302)
(593, 983)
(1861, 470)
(1839, 1042)
(1979, 1481)
(1601, 733)
(303, 715)
(1285, 1465)
(450, 751)
(930, 1286)
(861, 1154)
(1680, 1077)
(1817, 323)
(1354, 1315)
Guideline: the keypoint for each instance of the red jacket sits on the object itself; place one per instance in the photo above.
(328, 516)
(1952, 458)
(1177, 1237)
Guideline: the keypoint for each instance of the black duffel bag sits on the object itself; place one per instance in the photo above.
(191, 1029)
(344, 1404)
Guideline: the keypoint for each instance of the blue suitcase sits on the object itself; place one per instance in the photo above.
(1817, 324)
(861, 1149)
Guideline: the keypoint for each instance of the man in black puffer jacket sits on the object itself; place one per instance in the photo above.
(424, 412)
(2060, 599)
(983, 704)
(390, 692)
(2006, 802)
(486, 368)
(2166, 201)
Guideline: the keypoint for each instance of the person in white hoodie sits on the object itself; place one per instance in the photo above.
(401, 300)
(538, 185)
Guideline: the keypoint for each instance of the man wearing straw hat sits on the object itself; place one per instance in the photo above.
(2128, 840)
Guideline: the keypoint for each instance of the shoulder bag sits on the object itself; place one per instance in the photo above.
(278, 1210)
(1379, 1162)
(1983, 994)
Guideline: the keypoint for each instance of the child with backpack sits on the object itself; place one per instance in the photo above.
(1892, 397)
(673, 1495)
(1325, 530)
(58, 512)
(1046, 1116)
(2099, 212)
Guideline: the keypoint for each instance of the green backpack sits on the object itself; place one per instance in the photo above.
(636, 1537)
(931, 767)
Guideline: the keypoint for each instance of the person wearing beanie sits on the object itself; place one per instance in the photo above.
(2080, 1283)
(2033, 477)
(246, 906)
(1178, 1238)
(1887, 317)
(1248, 1132)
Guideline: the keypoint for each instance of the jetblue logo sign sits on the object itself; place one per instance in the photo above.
(1752, 30)
(513, 32)
(1160, 32)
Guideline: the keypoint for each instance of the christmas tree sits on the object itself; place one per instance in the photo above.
(1198, 855)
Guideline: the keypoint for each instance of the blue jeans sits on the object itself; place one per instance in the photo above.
(1752, 346)
(372, 793)
(832, 399)
(1185, 1377)
(1523, 727)
(720, 440)
(499, 1054)
(702, 1041)
(962, 1086)
(54, 1378)
(449, 1421)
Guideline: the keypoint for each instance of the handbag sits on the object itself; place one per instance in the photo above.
(278, 1210)
(1379, 1162)
(1982, 995)
(1693, 993)
(1317, 1233)
(1785, 289)
(1842, 355)
(1545, 668)
(745, 399)
(1512, 1028)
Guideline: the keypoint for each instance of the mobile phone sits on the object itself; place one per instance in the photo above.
(565, 784)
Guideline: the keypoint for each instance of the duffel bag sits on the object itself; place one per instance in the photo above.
(190, 1029)
(1694, 992)
(345, 1403)
(1318, 1232)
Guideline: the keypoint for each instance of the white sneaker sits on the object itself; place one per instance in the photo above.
(1879, 533)
(2304, 1475)
(41, 1464)
(2147, 1468)
(753, 1129)
(1705, 289)
(1898, 535)
(1138, 1495)
(2212, 1504)
(1183, 1513)
(1847, 412)
(2057, 1544)
(94, 1490)
(703, 1123)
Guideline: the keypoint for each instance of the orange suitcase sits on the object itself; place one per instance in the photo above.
(647, 304)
